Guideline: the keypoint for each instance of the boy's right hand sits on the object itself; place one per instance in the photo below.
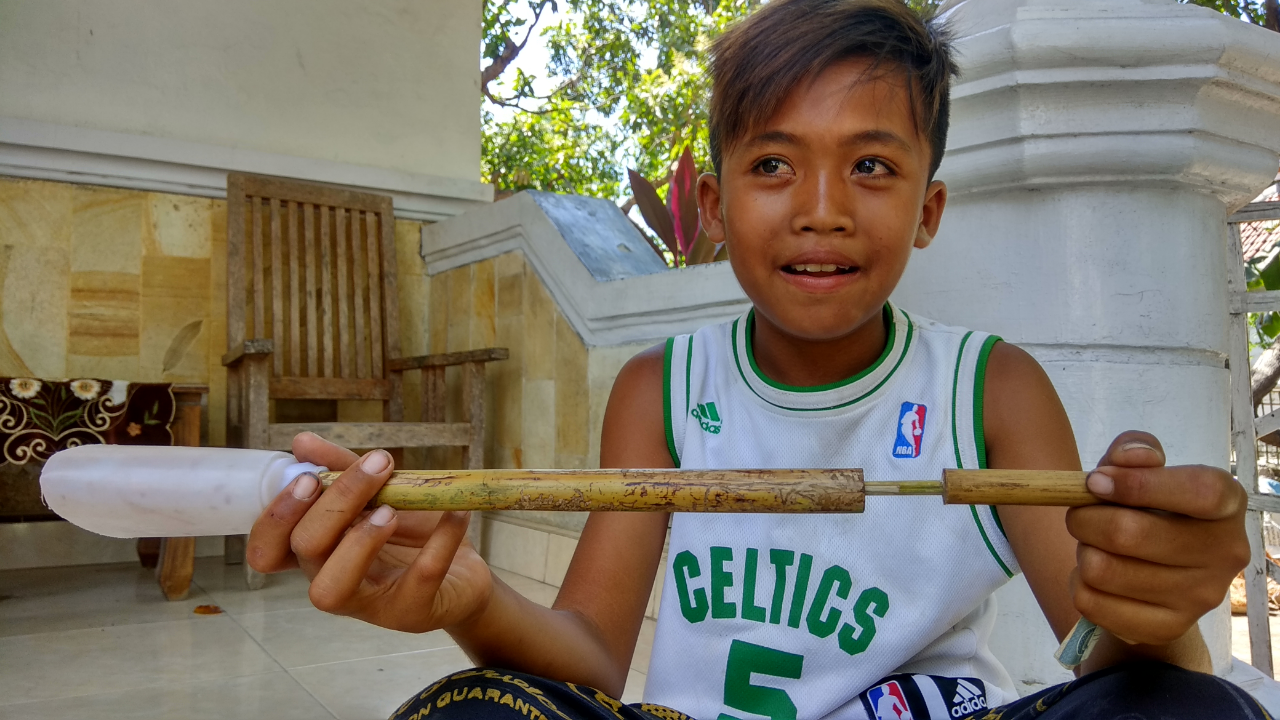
(408, 571)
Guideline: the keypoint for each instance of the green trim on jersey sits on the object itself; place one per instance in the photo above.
(979, 385)
(688, 379)
(666, 400)
(995, 515)
(885, 313)
(979, 380)
(979, 432)
(955, 387)
(906, 347)
(987, 540)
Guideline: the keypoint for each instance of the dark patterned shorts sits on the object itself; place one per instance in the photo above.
(1133, 691)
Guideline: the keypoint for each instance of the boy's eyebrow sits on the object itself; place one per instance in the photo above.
(778, 137)
(869, 137)
(866, 137)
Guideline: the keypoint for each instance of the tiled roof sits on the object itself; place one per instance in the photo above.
(1259, 239)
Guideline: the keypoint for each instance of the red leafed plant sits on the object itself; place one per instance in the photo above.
(681, 239)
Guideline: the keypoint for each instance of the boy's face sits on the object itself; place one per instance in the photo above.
(822, 204)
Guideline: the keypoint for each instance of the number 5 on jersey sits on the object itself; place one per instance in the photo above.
(740, 694)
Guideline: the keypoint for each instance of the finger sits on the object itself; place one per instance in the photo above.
(268, 548)
(1154, 537)
(1134, 448)
(423, 577)
(320, 530)
(346, 568)
(310, 447)
(1193, 490)
(1131, 620)
(1180, 588)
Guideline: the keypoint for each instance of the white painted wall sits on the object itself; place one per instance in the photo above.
(1096, 150)
(385, 83)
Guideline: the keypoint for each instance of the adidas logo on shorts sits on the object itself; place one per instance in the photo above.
(968, 699)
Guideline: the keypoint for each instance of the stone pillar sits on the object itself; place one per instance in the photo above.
(1096, 151)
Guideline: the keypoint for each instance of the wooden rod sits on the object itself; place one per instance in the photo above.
(773, 491)
(1062, 488)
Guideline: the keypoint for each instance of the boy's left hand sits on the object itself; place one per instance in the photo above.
(1150, 565)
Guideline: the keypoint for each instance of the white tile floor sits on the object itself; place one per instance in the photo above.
(101, 640)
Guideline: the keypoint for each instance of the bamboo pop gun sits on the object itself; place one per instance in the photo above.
(131, 491)
(767, 491)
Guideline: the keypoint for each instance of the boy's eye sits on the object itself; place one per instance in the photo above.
(773, 166)
(870, 166)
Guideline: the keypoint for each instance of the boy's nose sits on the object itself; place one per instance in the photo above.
(822, 208)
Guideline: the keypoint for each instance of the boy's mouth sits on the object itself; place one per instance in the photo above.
(818, 270)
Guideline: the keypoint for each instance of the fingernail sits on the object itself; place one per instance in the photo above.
(304, 487)
(1136, 446)
(375, 462)
(382, 515)
(1100, 484)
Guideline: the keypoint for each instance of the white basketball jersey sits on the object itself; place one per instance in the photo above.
(801, 616)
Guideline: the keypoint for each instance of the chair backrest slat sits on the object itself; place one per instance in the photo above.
(236, 206)
(390, 288)
(375, 293)
(277, 288)
(313, 319)
(295, 293)
(259, 295)
(361, 290)
(313, 268)
(326, 293)
(345, 350)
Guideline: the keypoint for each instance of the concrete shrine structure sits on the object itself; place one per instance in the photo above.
(1096, 151)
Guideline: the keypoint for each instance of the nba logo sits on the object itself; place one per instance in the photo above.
(910, 431)
(888, 702)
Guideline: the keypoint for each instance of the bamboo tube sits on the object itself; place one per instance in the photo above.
(1016, 487)
(773, 491)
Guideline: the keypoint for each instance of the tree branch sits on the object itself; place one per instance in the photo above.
(509, 52)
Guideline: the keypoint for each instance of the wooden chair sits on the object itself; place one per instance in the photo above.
(313, 314)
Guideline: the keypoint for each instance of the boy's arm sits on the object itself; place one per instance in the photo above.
(590, 634)
(1140, 575)
(411, 571)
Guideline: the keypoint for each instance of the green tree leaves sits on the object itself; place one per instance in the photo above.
(625, 87)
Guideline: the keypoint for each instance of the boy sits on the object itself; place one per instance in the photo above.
(828, 123)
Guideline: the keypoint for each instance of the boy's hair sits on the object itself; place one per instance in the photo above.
(757, 63)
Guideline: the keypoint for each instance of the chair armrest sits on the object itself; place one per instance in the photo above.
(445, 359)
(261, 346)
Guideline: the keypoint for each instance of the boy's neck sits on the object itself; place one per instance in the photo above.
(799, 362)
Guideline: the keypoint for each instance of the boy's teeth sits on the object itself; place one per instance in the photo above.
(815, 267)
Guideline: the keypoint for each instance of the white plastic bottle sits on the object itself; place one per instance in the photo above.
(137, 491)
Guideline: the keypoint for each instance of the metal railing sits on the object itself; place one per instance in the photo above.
(1246, 428)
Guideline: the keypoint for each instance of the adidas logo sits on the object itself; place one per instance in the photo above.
(968, 699)
(707, 417)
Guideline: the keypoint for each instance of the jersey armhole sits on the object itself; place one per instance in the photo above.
(676, 361)
(969, 437)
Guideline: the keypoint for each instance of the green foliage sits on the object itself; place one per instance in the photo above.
(1252, 10)
(625, 87)
(630, 89)
(1263, 273)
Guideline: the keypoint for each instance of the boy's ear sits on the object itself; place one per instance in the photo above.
(709, 207)
(935, 201)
